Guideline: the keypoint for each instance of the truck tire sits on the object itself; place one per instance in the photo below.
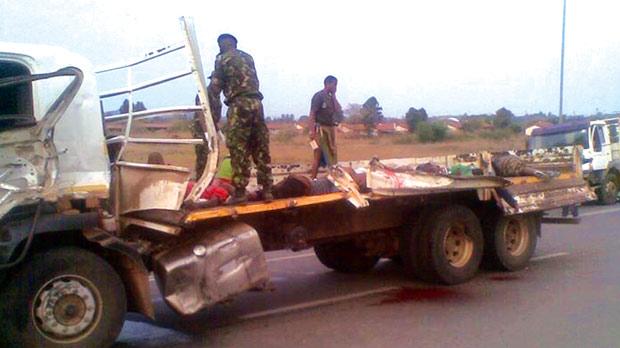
(608, 192)
(345, 257)
(448, 247)
(410, 253)
(510, 242)
(66, 297)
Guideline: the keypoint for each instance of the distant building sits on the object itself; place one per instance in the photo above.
(536, 125)
(352, 129)
(453, 124)
(391, 127)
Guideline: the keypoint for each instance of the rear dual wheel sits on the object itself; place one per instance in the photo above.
(510, 242)
(443, 246)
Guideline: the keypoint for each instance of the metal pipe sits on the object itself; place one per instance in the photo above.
(164, 141)
(151, 55)
(151, 83)
(562, 119)
(159, 111)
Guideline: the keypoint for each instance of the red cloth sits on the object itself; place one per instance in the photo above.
(215, 190)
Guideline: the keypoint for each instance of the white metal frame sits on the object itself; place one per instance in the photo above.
(211, 139)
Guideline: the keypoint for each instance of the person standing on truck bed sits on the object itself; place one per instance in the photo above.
(247, 134)
(325, 113)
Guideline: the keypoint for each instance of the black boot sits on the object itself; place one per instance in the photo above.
(267, 193)
(238, 198)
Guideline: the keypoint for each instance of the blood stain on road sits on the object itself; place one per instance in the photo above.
(407, 294)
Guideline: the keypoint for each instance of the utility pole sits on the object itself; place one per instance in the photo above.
(561, 115)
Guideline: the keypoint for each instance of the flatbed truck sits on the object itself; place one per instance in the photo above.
(83, 225)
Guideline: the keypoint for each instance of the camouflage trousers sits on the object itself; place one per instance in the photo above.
(202, 151)
(507, 165)
(247, 136)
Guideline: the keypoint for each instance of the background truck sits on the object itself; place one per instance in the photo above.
(85, 220)
(600, 140)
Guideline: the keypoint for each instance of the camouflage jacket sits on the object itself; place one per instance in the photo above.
(236, 75)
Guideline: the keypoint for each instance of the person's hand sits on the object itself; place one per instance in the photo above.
(313, 135)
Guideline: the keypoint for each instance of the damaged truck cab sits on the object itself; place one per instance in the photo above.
(54, 178)
(85, 224)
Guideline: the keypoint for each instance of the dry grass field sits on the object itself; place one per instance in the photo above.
(387, 146)
(295, 148)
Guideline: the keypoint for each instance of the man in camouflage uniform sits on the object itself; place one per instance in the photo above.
(247, 134)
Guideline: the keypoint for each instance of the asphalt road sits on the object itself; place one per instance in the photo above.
(568, 297)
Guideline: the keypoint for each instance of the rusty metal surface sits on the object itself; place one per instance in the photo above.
(539, 186)
(261, 207)
(546, 199)
(536, 195)
(211, 266)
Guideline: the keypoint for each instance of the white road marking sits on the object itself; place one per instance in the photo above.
(549, 256)
(295, 273)
(284, 258)
(317, 303)
(597, 212)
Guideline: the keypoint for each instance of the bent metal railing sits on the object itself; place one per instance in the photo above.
(210, 133)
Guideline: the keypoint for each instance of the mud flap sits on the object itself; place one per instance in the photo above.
(210, 267)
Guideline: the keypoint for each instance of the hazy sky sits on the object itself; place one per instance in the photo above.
(450, 57)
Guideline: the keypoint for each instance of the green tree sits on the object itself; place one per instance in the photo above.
(503, 118)
(137, 106)
(371, 114)
(432, 132)
(414, 117)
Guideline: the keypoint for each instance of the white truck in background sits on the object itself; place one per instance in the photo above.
(600, 140)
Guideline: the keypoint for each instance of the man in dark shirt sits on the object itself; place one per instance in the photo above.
(325, 114)
(247, 134)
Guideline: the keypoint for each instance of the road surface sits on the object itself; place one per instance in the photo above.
(568, 297)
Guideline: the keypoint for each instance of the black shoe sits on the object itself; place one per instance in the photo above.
(267, 196)
(238, 198)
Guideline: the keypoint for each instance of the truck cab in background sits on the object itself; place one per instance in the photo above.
(600, 140)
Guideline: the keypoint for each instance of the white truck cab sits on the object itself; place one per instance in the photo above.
(600, 140)
(49, 93)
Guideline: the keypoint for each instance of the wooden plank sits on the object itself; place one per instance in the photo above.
(260, 207)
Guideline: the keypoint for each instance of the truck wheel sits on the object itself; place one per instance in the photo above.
(65, 297)
(510, 242)
(410, 252)
(345, 257)
(449, 246)
(608, 192)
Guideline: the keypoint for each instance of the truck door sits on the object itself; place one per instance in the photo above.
(28, 157)
(601, 151)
